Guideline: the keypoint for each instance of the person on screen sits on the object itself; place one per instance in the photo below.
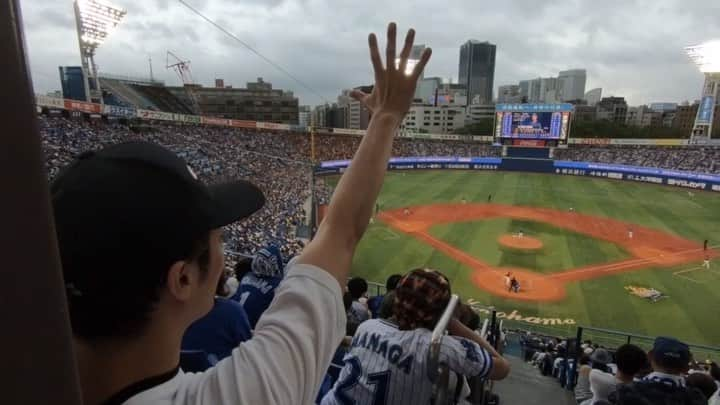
(534, 122)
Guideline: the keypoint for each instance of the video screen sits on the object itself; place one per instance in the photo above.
(531, 125)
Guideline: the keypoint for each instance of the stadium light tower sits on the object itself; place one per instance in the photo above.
(95, 20)
(707, 57)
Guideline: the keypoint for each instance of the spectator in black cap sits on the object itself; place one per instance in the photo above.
(670, 359)
(142, 251)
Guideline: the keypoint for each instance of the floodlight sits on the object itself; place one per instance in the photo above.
(706, 56)
(96, 19)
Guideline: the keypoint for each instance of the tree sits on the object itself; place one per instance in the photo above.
(482, 127)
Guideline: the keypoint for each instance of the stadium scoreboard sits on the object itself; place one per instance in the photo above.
(538, 125)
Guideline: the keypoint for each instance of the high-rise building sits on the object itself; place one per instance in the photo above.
(541, 90)
(549, 90)
(593, 96)
(304, 113)
(426, 88)
(525, 89)
(571, 84)
(509, 94)
(357, 115)
(476, 70)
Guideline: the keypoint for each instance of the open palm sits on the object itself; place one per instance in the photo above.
(394, 89)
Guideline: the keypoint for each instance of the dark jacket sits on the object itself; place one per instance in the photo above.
(655, 393)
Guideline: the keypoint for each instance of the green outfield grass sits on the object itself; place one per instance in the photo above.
(690, 312)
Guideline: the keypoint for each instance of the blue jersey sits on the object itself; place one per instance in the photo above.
(220, 331)
(374, 304)
(255, 295)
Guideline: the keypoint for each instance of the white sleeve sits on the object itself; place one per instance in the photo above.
(291, 349)
(465, 357)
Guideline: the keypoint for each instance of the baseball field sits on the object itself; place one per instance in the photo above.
(585, 251)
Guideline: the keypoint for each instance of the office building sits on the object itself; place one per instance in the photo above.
(425, 89)
(643, 116)
(509, 94)
(357, 115)
(612, 109)
(476, 70)
(475, 113)
(258, 102)
(434, 120)
(593, 96)
(525, 89)
(571, 85)
(304, 115)
(663, 107)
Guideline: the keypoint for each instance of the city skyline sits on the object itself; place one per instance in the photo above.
(618, 46)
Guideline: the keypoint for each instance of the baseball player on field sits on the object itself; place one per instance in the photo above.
(387, 360)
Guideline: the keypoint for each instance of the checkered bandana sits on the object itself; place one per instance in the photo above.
(420, 298)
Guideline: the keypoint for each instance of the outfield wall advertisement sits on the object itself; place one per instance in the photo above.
(676, 178)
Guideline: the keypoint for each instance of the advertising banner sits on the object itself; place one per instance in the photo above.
(119, 111)
(215, 121)
(155, 115)
(347, 131)
(51, 102)
(272, 125)
(74, 105)
(192, 119)
(242, 124)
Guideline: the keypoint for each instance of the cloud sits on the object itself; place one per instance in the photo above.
(629, 48)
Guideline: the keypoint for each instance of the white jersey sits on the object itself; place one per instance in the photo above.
(386, 365)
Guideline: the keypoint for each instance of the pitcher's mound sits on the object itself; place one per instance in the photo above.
(520, 242)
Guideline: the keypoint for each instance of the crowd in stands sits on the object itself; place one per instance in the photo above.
(700, 159)
(667, 374)
(280, 165)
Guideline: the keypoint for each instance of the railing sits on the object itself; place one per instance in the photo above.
(612, 339)
(438, 371)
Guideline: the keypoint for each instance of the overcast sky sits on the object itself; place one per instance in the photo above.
(629, 48)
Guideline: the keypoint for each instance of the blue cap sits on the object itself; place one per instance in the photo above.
(268, 262)
(671, 352)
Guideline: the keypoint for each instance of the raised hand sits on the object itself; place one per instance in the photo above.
(393, 91)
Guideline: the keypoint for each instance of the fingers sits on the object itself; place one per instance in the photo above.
(358, 95)
(375, 58)
(421, 65)
(405, 53)
(390, 50)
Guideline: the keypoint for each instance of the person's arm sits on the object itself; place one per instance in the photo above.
(500, 366)
(355, 195)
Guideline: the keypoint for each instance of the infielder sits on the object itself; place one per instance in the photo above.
(387, 361)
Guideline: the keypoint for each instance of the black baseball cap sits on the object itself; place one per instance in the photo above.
(137, 198)
(670, 352)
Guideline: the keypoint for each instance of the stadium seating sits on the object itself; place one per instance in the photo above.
(280, 163)
(693, 159)
(162, 98)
